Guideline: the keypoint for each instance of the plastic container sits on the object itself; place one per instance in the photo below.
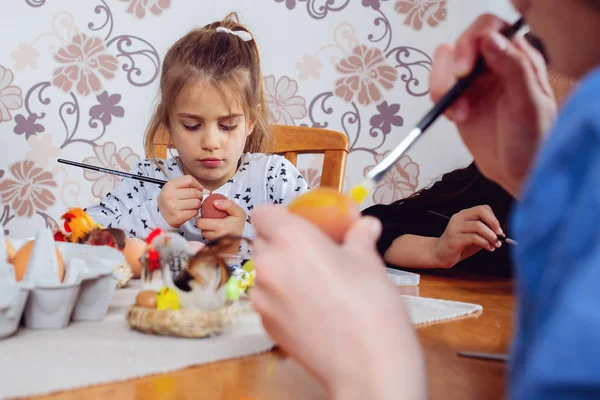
(403, 278)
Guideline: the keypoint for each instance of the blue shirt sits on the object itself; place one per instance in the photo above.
(556, 352)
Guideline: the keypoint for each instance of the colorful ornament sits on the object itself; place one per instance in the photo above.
(166, 299)
(232, 289)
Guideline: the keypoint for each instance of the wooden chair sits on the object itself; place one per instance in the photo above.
(289, 141)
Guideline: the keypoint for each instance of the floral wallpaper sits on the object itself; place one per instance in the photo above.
(79, 81)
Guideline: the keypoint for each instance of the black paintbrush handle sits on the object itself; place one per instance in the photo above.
(462, 84)
(503, 239)
(159, 182)
(380, 170)
(484, 356)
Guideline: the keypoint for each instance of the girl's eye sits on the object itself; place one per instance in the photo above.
(228, 128)
(191, 127)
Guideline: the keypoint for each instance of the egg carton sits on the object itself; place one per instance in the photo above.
(41, 300)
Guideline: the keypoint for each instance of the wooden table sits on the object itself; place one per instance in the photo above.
(272, 376)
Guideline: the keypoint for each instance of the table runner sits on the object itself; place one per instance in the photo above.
(35, 362)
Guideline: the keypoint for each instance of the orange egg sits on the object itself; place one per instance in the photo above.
(333, 212)
(146, 298)
(10, 251)
(134, 248)
(21, 259)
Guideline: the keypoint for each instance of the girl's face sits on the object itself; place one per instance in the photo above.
(566, 28)
(209, 133)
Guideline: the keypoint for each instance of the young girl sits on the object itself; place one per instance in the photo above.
(212, 105)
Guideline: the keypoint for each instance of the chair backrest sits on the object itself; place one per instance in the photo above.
(289, 141)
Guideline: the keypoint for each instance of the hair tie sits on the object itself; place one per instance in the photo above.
(245, 36)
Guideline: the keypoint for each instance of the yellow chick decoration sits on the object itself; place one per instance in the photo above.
(79, 224)
(166, 299)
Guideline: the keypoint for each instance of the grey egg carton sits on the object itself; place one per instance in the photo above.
(41, 300)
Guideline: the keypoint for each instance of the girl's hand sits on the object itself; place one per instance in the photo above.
(468, 232)
(179, 200)
(232, 225)
(504, 114)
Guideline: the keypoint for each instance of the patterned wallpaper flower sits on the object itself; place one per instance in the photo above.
(285, 106)
(401, 182)
(364, 74)
(140, 7)
(10, 95)
(419, 12)
(29, 190)
(79, 85)
(312, 176)
(107, 108)
(86, 62)
(42, 149)
(27, 125)
(25, 56)
(107, 156)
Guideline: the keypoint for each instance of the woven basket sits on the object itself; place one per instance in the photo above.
(187, 323)
(126, 273)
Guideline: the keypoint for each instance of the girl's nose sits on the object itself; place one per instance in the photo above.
(210, 139)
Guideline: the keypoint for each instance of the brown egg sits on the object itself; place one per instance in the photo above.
(146, 298)
(21, 259)
(10, 251)
(208, 208)
(134, 248)
(333, 212)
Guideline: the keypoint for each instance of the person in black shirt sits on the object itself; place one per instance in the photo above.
(416, 236)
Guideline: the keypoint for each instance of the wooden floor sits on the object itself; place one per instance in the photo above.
(273, 376)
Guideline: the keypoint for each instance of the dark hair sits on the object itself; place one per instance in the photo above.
(537, 44)
(452, 185)
(449, 191)
(223, 60)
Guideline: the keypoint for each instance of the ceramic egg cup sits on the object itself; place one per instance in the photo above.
(84, 295)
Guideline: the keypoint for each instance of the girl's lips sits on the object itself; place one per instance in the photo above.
(211, 162)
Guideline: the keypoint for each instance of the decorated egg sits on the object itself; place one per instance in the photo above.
(21, 259)
(146, 299)
(10, 251)
(333, 212)
(208, 208)
(134, 248)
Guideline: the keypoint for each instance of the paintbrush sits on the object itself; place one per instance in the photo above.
(362, 190)
(142, 178)
(500, 238)
(484, 356)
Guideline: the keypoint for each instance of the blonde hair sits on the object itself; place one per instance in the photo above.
(223, 60)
